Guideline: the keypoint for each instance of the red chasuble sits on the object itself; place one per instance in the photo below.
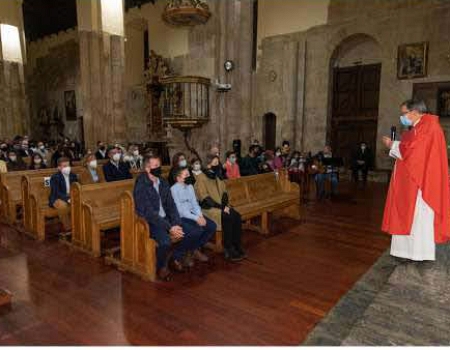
(423, 166)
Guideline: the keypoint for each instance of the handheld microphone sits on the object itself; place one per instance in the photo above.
(393, 133)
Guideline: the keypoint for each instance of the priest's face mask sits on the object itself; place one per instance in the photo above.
(408, 118)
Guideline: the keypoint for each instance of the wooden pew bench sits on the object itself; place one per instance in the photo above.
(12, 194)
(261, 195)
(138, 249)
(36, 194)
(95, 208)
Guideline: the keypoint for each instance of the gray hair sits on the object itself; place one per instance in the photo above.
(415, 105)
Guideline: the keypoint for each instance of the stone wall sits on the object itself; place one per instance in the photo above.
(53, 68)
(301, 62)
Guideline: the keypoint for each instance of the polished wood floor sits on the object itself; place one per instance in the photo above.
(290, 281)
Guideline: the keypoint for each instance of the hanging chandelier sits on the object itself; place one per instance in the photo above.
(186, 13)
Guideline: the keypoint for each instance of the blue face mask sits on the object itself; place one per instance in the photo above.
(405, 121)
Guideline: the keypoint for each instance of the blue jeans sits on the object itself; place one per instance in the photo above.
(320, 181)
(195, 236)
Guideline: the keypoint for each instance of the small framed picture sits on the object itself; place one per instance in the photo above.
(71, 105)
(412, 60)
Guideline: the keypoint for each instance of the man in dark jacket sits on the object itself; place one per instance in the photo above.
(101, 151)
(153, 202)
(60, 192)
(361, 162)
(250, 164)
(116, 169)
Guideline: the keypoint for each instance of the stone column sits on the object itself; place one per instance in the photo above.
(13, 102)
(102, 65)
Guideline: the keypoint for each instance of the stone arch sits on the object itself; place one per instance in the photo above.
(352, 51)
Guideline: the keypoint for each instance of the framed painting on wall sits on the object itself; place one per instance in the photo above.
(70, 104)
(412, 60)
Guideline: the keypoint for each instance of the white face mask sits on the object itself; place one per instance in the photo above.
(278, 154)
(42, 147)
(136, 153)
(66, 170)
(182, 163)
(93, 164)
(13, 158)
(116, 157)
(197, 167)
(37, 161)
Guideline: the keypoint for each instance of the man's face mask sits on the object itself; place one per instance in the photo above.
(116, 157)
(37, 160)
(13, 158)
(157, 172)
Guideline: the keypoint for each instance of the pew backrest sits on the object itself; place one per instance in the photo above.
(105, 194)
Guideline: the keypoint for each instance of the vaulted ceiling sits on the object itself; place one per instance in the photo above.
(45, 17)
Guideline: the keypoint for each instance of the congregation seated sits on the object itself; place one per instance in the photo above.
(116, 169)
(37, 162)
(90, 174)
(196, 167)
(286, 153)
(212, 194)
(133, 158)
(232, 170)
(62, 151)
(4, 151)
(191, 215)
(60, 192)
(24, 151)
(15, 162)
(361, 162)
(179, 160)
(329, 171)
(214, 150)
(154, 202)
(250, 163)
(101, 152)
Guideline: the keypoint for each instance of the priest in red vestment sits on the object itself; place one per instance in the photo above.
(418, 202)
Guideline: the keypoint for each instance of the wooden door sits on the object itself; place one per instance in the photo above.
(270, 131)
(356, 92)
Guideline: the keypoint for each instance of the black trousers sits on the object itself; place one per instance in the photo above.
(232, 229)
(364, 170)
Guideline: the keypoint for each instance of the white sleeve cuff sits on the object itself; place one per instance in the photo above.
(395, 150)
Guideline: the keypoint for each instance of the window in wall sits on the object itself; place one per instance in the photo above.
(10, 39)
(112, 16)
(255, 35)
(146, 49)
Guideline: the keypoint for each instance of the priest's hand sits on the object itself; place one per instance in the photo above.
(387, 142)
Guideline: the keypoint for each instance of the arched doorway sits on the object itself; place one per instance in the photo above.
(270, 130)
(355, 83)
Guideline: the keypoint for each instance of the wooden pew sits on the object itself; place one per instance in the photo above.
(137, 249)
(11, 191)
(96, 208)
(26, 185)
(252, 196)
(262, 195)
(36, 198)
